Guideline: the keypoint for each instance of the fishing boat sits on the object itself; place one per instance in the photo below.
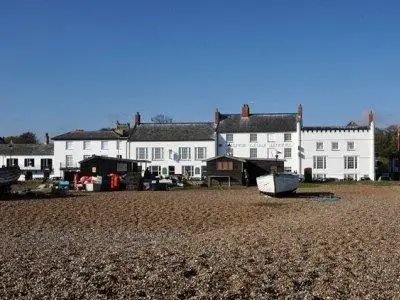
(276, 184)
(8, 176)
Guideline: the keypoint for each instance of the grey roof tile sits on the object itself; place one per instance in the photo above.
(279, 122)
(89, 135)
(27, 149)
(173, 132)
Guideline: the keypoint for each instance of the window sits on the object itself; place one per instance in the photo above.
(319, 162)
(287, 137)
(229, 151)
(119, 145)
(253, 137)
(271, 137)
(200, 153)
(187, 171)
(170, 154)
(350, 176)
(171, 170)
(350, 146)
(68, 145)
(104, 145)
(86, 156)
(29, 162)
(350, 162)
(229, 137)
(122, 167)
(287, 169)
(156, 170)
(86, 145)
(46, 163)
(253, 152)
(69, 161)
(119, 156)
(225, 166)
(184, 153)
(319, 176)
(287, 152)
(197, 171)
(12, 162)
(157, 153)
(319, 146)
(141, 153)
(164, 171)
(335, 146)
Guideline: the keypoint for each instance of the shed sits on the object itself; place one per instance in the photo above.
(104, 165)
(231, 169)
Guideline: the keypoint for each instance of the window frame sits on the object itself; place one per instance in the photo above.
(230, 139)
(285, 137)
(354, 162)
(253, 138)
(352, 148)
(86, 145)
(316, 162)
(337, 143)
(287, 150)
(317, 144)
(104, 145)
(196, 153)
(253, 153)
(138, 154)
(188, 153)
(69, 145)
(160, 154)
(27, 165)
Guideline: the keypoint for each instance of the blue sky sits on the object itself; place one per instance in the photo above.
(85, 64)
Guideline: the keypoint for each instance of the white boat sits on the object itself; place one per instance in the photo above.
(278, 183)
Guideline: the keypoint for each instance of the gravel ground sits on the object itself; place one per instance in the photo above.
(203, 244)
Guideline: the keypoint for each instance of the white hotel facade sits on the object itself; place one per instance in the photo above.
(181, 148)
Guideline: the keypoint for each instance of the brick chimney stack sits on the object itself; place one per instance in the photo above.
(370, 117)
(217, 117)
(137, 119)
(245, 111)
(46, 139)
(398, 138)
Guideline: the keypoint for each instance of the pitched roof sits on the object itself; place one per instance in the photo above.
(280, 122)
(99, 157)
(350, 126)
(173, 132)
(26, 149)
(108, 134)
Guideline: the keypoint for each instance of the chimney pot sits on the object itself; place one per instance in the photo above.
(46, 139)
(299, 112)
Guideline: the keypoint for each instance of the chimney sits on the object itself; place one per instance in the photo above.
(398, 138)
(245, 111)
(300, 112)
(217, 117)
(137, 119)
(46, 138)
(370, 117)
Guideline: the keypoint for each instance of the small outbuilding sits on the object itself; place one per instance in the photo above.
(233, 170)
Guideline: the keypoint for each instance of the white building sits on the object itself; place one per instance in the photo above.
(36, 159)
(262, 135)
(172, 148)
(340, 152)
(72, 147)
(181, 148)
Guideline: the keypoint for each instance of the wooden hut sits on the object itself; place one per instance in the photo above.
(230, 169)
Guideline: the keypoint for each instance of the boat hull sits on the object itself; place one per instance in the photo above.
(9, 175)
(276, 184)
